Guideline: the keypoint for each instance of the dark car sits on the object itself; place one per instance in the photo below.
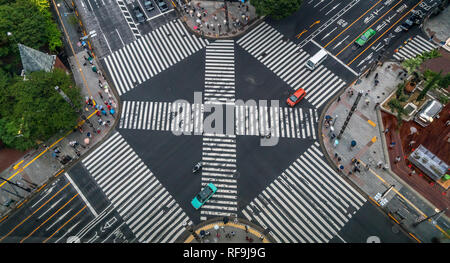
(139, 14)
(148, 5)
(413, 19)
(162, 5)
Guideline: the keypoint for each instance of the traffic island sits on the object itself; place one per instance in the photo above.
(225, 230)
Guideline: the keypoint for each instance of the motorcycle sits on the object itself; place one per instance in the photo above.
(197, 167)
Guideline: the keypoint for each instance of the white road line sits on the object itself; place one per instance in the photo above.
(81, 195)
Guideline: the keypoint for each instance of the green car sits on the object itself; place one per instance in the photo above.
(203, 196)
(365, 37)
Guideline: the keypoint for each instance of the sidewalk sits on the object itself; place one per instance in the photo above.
(40, 165)
(373, 174)
(216, 19)
(224, 230)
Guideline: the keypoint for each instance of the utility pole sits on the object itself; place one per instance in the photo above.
(6, 180)
(429, 217)
(355, 104)
(83, 117)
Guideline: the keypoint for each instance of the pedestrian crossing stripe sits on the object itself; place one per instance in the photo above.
(151, 54)
(417, 45)
(141, 200)
(286, 60)
(129, 19)
(249, 120)
(308, 202)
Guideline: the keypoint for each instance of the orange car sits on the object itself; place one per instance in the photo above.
(296, 97)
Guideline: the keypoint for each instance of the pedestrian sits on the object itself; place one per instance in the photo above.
(54, 155)
(88, 135)
(367, 93)
(246, 229)
(380, 164)
(97, 113)
(351, 93)
(335, 155)
(339, 159)
(413, 172)
(339, 99)
(366, 168)
(367, 102)
(392, 145)
(397, 159)
(386, 131)
(100, 94)
(56, 150)
(376, 105)
(108, 106)
(232, 233)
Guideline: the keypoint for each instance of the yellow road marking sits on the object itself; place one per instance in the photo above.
(317, 22)
(384, 33)
(43, 223)
(300, 34)
(23, 221)
(65, 224)
(371, 123)
(352, 23)
(351, 42)
(17, 165)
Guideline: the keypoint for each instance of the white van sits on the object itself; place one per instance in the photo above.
(316, 59)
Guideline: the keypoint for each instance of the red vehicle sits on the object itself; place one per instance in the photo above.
(296, 97)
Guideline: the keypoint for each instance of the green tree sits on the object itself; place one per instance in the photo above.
(30, 24)
(277, 9)
(432, 80)
(37, 110)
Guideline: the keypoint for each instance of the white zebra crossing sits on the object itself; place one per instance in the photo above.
(219, 168)
(219, 150)
(140, 199)
(128, 18)
(286, 60)
(151, 54)
(250, 120)
(219, 72)
(309, 202)
(417, 45)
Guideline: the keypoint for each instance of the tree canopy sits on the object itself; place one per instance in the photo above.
(33, 111)
(277, 9)
(29, 23)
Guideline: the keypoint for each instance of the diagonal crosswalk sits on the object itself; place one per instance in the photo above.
(308, 203)
(250, 120)
(144, 204)
(287, 60)
(151, 54)
(417, 45)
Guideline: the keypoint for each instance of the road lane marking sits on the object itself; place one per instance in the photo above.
(84, 207)
(340, 62)
(23, 221)
(352, 23)
(37, 228)
(81, 194)
(351, 42)
(401, 18)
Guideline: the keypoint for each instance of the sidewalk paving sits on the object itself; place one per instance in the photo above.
(365, 127)
(216, 19)
(216, 230)
(40, 165)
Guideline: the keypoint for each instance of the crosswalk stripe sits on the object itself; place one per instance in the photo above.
(135, 192)
(149, 55)
(286, 60)
(306, 203)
